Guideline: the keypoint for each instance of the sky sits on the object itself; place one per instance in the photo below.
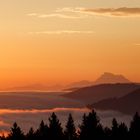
(58, 42)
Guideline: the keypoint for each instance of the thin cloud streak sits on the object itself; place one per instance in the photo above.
(69, 10)
(115, 12)
(59, 16)
(62, 32)
(79, 12)
(32, 14)
(34, 111)
(56, 15)
(137, 44)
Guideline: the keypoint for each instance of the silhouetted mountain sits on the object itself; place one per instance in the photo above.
(96, 93)
(111, 78)
(129, 103)
(106, 78)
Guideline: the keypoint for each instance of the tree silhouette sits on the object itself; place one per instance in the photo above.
(123, 131)
(91, 128)
(107, 133)
(70, 131)
(135, 127)
(31, 134)
(115, 129)
(2, 137)
(55, 129)
(43, 131)
(16, 133)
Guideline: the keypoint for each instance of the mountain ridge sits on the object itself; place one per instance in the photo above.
(128, 104)
(111, 78)
(96, 93)
(105, 78)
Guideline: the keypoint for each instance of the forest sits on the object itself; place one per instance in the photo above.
(89, 129)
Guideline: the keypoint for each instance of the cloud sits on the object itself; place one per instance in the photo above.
(63, 32)
(32, 118)
(32, 14)
(69, 10)
(60, 16)
(115, 12)
(35, 111)
(64, 13)
(79, 12)
(137, 44)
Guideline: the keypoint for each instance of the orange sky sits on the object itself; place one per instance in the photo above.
(51, 42)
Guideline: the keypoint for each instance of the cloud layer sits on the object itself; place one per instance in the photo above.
(117, 12)
(32, 118)
(79, 13)
(137, 44)
(62, 32)
(63, 13)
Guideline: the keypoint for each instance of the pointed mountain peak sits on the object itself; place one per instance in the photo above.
(111, 78)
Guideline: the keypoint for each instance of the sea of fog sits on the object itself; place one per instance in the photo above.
(28, 109)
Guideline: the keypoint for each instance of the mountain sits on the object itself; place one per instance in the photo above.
(103, 79)
(96, 93)
(106, 78)
(128, 104)
(111, 78)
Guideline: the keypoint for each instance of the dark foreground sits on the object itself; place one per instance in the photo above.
(89, 129)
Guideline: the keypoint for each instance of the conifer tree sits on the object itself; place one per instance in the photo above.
(115, 129)
(91, 127)
(70, 131)
(31, 134)
(135, 127)
(16, 133)
(55, 129)
(43, 131)
(83, 128)
(2, 137)
(107, 133)
(123, 131)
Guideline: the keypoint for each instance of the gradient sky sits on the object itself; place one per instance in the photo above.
(60, 41)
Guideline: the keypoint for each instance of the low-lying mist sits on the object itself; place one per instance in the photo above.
(29, 109)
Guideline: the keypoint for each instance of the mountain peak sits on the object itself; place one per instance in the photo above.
(111, 78)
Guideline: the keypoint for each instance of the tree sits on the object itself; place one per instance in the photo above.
(83, 128)
(70, 132)
(115, 130)
(55, 129)
(42, 132)
(107, 133)
(135, 127)
(31, 134)
(123, 131)
(2, 137)
(91, 127)
(16, 133)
